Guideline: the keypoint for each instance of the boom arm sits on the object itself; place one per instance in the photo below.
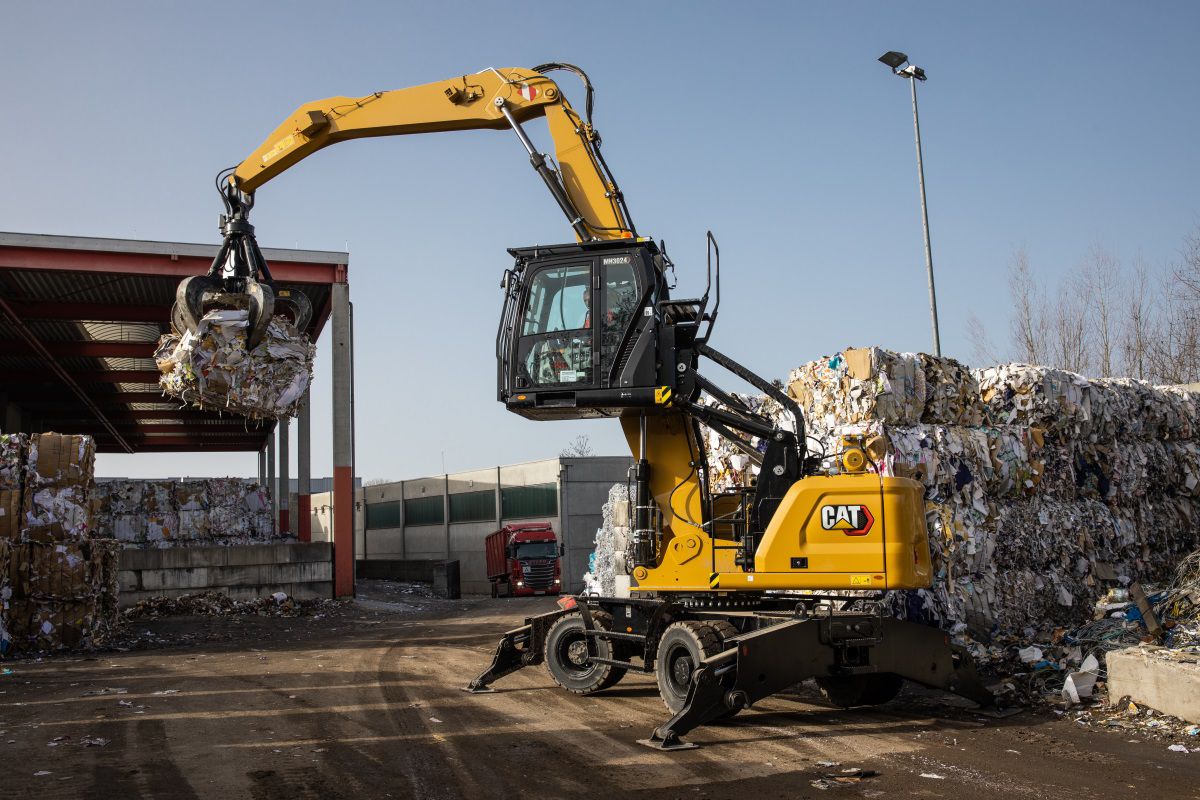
(494, 98)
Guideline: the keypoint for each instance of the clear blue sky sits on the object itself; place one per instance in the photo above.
(1053, 126)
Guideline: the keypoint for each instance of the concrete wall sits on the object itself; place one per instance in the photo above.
(304, 571)
(583, 485)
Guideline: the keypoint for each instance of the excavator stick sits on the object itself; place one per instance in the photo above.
(520, 647)
(852, 653)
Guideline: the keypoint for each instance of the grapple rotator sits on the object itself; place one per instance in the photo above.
(238, 278)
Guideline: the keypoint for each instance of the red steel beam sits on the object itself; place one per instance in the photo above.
(140, 430)
(160, 265)
(84, 375)
(62, 374)
(93, 349)
(188, 446)
(106, 312)
(105, 400)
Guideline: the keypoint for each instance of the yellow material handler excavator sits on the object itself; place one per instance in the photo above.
(589, 329)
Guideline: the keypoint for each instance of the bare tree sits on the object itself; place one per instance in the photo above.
(1099, 277)
(1029, 324)
(1070, 345)
(1137, 325)
(580, 447)
(982, 349)
(377, 481)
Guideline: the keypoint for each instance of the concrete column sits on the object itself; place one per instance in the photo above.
(262, 466)
(446, 509)
(343, 440)
(285, 483)
(304, 472)
(271, 487)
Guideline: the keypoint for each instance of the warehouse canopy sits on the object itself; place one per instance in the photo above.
(79, 318)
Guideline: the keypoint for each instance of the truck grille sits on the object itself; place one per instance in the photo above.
(538, 574)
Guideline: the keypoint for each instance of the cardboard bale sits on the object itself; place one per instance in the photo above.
(13, 450)
(65, 508)
(55, 459)
(10, 513)
(211, 368)
(6, 594)
(64, 595)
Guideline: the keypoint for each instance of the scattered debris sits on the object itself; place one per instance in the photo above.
(218, 604)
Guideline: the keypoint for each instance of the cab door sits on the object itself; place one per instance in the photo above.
(556, 328)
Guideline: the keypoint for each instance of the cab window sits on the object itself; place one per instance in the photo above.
(558, 300)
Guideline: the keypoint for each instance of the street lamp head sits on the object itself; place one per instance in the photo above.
(912, 71)
(893, 59)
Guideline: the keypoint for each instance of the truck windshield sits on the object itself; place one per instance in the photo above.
(537, 550)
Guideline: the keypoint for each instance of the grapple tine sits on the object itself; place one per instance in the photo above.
(297, 305)
(261, 310)
(189, 301)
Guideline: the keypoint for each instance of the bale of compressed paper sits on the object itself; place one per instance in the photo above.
(13, 449)
(212, 369)
(63, 595)
(1040, 491)
(607, 564)
(57, 499)
(6, 594)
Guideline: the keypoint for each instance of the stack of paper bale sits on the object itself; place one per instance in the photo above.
(607, 575)
(1041, 485)
(212, 369)
(59, 584)
(162, 514)
(240, 511)
(13, 447)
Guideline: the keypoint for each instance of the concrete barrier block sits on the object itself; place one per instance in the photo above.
(128, 580)
(192, 579)
(1162, 679)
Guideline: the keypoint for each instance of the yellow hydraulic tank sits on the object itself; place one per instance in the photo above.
(859, 531)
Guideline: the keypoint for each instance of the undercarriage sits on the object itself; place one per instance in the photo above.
(717, 658)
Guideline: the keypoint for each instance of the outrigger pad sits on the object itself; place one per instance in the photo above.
(669, 743)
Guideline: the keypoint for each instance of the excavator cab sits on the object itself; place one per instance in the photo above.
(583, 331)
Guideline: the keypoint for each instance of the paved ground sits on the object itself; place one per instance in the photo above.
(364, 703)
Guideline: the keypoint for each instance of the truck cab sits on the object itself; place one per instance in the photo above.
(523, 559)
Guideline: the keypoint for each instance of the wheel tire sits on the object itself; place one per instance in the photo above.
(566, 655)
(861, 690)
(682, 646)
(726, 631)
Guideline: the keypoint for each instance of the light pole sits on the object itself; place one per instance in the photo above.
(914, 73)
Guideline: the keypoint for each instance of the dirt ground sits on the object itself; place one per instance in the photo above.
(363, 702)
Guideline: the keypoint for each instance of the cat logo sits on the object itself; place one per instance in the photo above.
(853, 520)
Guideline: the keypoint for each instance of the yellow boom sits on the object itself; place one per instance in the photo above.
(494, 98)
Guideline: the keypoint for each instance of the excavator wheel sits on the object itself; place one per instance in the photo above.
(567, 655)
(726, 631)
(682, 646)
(861, 690)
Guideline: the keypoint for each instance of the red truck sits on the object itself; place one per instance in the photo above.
(525, 558)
